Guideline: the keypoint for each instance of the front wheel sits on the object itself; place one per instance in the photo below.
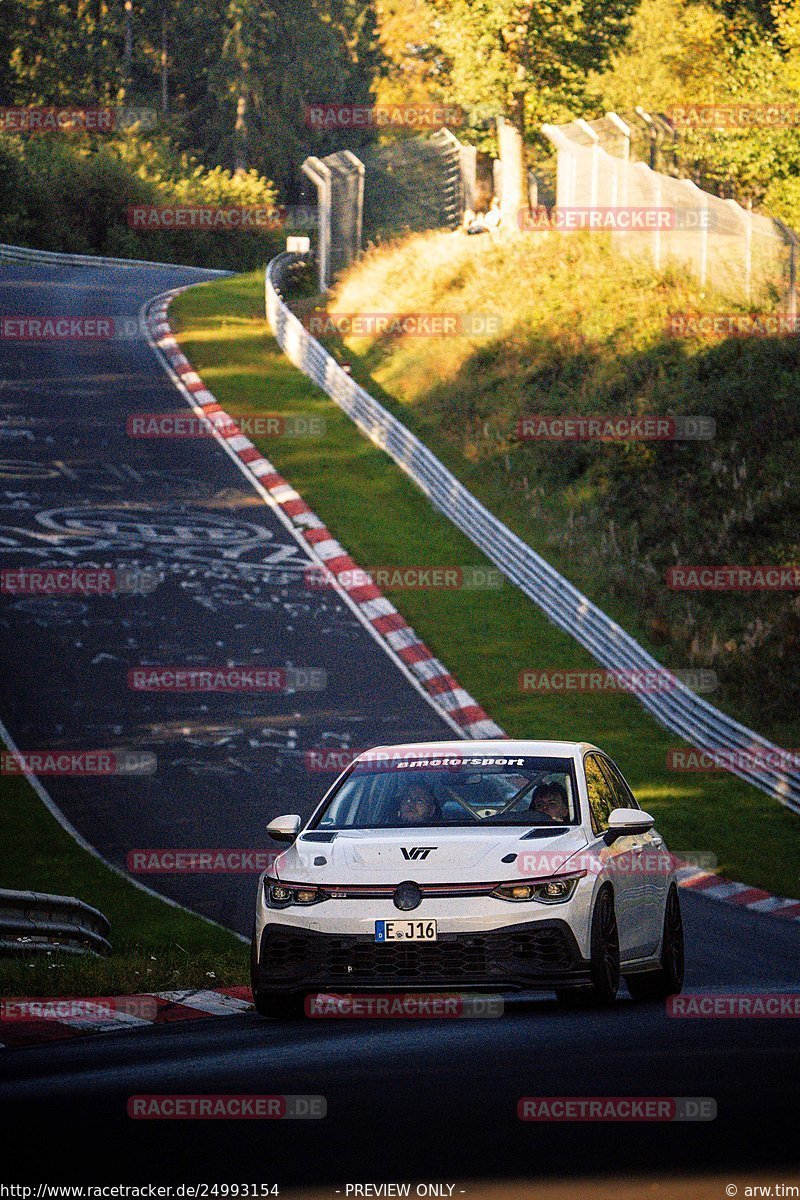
(667, 979)
(604, 960)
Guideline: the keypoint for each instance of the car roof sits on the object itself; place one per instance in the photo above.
(496, 746)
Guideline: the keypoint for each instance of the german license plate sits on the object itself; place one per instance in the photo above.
(405, 931)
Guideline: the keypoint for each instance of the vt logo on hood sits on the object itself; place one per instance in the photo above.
(417, 851)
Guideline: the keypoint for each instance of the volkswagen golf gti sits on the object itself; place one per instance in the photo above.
(497, 866)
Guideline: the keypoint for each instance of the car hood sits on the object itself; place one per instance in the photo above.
(376, 856)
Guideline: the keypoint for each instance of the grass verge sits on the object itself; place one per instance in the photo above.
(155, 947)
(585, 332)
(485, 638)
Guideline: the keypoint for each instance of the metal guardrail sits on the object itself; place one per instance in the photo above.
(33, 922)
(56, 259)
(677, 708)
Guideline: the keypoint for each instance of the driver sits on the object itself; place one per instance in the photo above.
(550, 801)
(419, 806)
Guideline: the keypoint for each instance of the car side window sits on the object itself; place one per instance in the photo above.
(601, 795)
(623, 796)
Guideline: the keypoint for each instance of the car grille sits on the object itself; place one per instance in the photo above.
(539, 949)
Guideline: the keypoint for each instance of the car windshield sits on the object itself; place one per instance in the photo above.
(391, 792)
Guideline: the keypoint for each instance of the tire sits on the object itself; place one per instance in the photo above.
(666, 979)
(604, 959)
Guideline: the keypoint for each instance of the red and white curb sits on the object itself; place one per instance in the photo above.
(33, 1020)
(454, 703)
(438, 683)
(715, 887)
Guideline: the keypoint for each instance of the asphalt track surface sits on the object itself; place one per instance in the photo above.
(405, 1099)
(76, 489)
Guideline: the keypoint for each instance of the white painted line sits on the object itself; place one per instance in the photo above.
(69, 828)
(308, 548)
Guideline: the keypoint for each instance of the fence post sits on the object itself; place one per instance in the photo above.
(746, 219)
(702, 199)
(320, 175)
(469, 169)
(514, 185)
(359, 225)
(653, 185)
(625, 130)
(566, 176)
(790, 236)
(467, 165)
(533, 190)
(595, 140)
(651, 133)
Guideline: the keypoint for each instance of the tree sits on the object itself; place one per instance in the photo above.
(529, 58)
(66, 52)
(278, 60)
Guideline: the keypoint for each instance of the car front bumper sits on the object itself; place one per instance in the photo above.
(541, 954)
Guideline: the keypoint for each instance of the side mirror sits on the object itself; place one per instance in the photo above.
(284, 829)
(624, 822)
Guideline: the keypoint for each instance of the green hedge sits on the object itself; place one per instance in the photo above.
(71, 192)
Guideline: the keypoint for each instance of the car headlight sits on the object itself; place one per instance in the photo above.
(549, 891)
(282, 895)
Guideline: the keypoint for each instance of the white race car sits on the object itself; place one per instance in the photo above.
(482, 866)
